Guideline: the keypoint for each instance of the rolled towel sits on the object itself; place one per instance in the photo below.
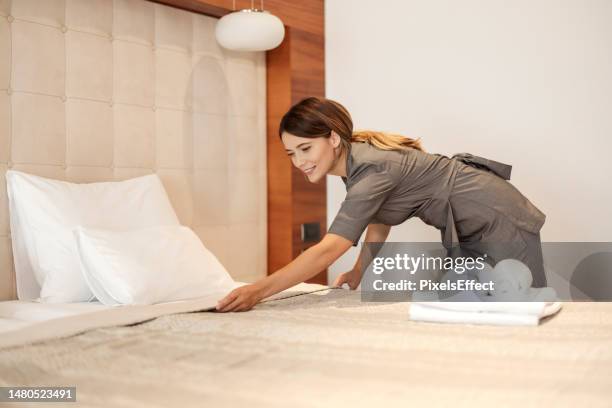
(512, 280)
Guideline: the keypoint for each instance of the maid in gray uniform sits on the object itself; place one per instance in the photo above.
(389, 178)
(466, 197)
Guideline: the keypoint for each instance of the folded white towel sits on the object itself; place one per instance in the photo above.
(512, 282)
(495, 313)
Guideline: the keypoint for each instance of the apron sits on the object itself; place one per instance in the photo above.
(523, 215)
(500, 169)
(521, 225)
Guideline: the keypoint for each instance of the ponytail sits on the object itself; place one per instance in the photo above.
(317, 117)
(386, 141)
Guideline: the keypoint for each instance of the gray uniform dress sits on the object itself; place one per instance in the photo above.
(465, 197)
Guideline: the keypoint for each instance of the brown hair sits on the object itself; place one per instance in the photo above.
(316, 117)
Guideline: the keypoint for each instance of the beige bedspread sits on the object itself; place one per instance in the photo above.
(327, 349)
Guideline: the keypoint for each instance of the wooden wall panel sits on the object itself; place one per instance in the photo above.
(280, 186)
(295, 70)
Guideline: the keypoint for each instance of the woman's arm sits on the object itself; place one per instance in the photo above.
(309, 263)
(375, 233)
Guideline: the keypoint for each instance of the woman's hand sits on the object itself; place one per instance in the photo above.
(353, 278)
(240, 299)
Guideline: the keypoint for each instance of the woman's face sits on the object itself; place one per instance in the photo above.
(314, 157)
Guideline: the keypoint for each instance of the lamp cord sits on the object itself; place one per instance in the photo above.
(252, 4)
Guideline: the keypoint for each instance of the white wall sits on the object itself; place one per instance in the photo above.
(525, 82)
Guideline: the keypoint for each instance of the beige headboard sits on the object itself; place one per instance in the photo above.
(102, 90)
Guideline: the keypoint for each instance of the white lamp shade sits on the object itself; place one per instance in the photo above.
(250, 30)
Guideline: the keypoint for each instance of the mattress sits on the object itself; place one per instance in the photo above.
(326, 348)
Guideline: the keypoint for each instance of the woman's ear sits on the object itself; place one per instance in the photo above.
(335, 139)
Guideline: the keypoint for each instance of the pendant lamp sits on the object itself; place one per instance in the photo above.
(250, 30)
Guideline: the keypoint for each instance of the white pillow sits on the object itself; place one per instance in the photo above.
(43, 213)
(150, 265)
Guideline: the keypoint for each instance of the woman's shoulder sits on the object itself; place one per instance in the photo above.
(367, 161)
(366, 157)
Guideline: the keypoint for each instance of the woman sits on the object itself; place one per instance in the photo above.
(389, 178)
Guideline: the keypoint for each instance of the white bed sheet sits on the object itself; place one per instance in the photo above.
(24, 322)
(23, 312)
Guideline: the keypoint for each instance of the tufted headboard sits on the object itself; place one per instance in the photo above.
(99, 90)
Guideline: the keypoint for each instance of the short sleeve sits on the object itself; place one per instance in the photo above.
(362, 202)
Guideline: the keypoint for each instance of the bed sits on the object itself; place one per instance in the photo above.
(317, 346)
(108, 117)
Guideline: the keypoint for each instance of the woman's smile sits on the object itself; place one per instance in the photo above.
(308, 171)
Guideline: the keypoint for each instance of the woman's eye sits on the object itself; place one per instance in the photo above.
(306, 149)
